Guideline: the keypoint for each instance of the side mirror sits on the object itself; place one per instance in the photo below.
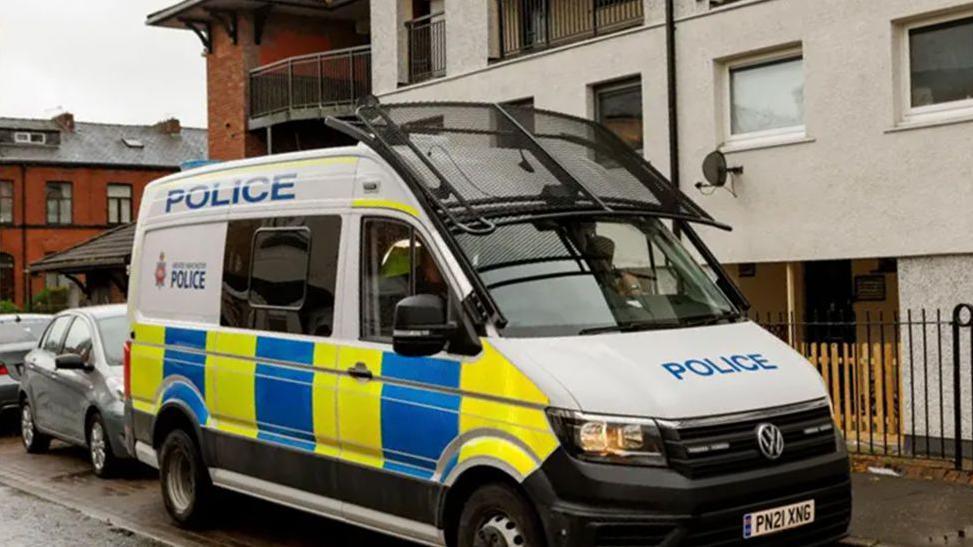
(70, 361)
(420, 327)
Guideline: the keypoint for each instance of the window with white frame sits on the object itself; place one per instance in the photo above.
(938, 62)
(765, 96)
(27, 137)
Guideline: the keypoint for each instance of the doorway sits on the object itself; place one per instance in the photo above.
(829, 301)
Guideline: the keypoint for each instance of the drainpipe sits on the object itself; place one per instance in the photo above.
(672, 88)
(23, 234)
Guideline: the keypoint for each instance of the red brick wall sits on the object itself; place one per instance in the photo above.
(89, 212)
(229, 65)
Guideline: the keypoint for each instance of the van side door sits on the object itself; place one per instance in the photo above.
(273, 365)
(396, 414)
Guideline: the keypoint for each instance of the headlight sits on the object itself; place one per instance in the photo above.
(609, 439)
(116, 387)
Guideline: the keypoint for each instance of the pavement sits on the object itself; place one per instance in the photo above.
(54, 499)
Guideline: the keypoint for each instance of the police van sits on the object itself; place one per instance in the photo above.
(475, 326)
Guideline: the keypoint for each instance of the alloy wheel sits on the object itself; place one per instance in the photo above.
(181, 485)
(27, 425)
(98, 446)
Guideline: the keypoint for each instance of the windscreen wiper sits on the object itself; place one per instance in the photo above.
(632, 326)
(729, 317)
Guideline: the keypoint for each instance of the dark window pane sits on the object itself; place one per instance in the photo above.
(6, 202)
(6, 277)
(941, 63)
(387, 274)
(619, 108)
(278, 276)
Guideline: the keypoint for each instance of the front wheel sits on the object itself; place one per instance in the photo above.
(186, 487)
(103, 460)
(35, 442)
(497, 515)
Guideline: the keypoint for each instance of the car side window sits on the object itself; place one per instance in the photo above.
(55, 334)
(78, 339)
(396, 263)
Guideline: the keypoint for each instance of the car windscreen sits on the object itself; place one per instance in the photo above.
(582, 276)
(16, 333)
(114, 333)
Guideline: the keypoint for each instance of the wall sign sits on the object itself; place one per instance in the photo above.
(869, 288)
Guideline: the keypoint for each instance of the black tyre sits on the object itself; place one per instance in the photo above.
(186, 487)
(35, 442)
(103, 460)
(496, 515)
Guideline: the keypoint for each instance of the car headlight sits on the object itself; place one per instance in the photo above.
(116, 387)
(609, 439)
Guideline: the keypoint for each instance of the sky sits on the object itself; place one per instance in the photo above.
(98, 60)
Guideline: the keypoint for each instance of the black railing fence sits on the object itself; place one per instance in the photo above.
(320, 80)
(528, 25)
(427, 47)
(901, 385)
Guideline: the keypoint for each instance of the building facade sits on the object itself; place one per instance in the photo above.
(851, 121)
(63, 182)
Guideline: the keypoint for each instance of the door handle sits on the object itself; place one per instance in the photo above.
(360, 371)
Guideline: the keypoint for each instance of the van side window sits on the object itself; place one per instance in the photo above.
(279, 274)
(396, 263)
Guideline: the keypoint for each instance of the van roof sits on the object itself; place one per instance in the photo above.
(482, 164)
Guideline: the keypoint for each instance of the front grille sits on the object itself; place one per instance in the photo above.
(807, 429)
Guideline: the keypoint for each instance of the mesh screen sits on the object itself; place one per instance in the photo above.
(493, 168)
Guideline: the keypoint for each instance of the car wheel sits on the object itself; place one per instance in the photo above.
(186, 487)
(35, 442)
(497, 515)
(103, 460)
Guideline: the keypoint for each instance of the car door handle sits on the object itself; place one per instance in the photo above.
(360, 371)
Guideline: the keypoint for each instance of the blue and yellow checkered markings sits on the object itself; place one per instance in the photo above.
(418, 423)
(283, 394)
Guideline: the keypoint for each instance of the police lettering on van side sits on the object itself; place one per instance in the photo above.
(724, 364)
(221, 194)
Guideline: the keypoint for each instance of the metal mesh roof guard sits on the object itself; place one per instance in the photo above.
(485, 164)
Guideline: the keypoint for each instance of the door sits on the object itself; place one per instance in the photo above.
(395, 413)
(829, 294)
(70, 387)
(40, 373)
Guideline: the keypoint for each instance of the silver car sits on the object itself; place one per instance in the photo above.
(18, 335)
(73, 386)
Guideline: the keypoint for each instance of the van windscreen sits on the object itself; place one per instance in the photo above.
(571, 276)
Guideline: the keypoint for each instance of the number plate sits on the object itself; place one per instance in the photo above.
(778, 519)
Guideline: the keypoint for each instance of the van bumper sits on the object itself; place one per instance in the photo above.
(590, 504)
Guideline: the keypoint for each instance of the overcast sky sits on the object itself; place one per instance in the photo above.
(98, 60)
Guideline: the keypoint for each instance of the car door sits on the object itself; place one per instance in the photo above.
(395, 413)
(70, 389)
(39, 373)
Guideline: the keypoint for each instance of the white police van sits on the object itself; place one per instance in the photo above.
(475, 327)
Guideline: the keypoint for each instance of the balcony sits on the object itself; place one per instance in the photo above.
(427, 47)
(310, 86)
(527, 26)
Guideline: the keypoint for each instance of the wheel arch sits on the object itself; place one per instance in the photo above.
(464, 483)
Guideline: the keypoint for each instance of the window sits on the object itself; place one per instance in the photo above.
(59, 203)
(78, 339)
(6, 277)
(395, 264)
(27, 137)
(119, 203)
(6, 202)
(940, 74)
(619, 108)
(766, 96)
(280, 274)
(56, 280)
(55, 333)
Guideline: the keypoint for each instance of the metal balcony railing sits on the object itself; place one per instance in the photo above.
(318, 81)
(525, 26)
(427, 47)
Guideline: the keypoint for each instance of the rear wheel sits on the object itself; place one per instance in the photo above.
(496, 515)
(103, 460)
(186, 487)
(35, 442)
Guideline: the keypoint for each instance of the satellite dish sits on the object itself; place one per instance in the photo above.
(715, 169)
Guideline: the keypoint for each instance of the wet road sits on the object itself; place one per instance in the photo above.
(83, 503)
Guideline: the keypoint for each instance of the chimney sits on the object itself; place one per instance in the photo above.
(65, 121)
(170, 126)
